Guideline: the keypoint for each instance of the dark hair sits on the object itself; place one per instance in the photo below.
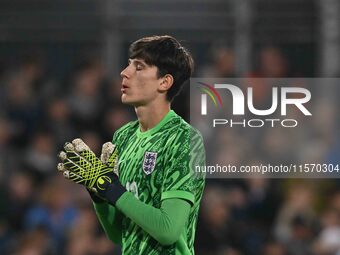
(168, 55)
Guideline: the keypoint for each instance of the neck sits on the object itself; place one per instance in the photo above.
(150, 116)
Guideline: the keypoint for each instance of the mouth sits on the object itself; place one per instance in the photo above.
(124, 88)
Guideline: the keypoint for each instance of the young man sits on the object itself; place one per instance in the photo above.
(152, 207)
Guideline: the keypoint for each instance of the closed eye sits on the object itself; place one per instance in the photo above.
(137, 64)
(139, 67)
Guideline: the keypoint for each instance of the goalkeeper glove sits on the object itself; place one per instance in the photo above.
(81, 166)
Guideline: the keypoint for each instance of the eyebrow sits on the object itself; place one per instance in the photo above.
(138, 61)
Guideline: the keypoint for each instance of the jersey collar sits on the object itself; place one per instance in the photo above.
(156, 128)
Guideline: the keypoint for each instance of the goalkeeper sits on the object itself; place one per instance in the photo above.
(143, 188)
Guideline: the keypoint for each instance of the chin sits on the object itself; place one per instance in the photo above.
(126, 100)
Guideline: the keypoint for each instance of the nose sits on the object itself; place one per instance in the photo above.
(124, 73)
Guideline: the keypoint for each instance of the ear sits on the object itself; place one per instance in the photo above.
(166, 82)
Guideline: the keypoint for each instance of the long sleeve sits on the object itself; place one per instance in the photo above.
(111, 221)
(164, 224)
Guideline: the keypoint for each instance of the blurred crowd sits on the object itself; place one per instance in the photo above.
(41, 213)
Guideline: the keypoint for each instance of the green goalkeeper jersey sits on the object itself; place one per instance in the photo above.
(155, 165)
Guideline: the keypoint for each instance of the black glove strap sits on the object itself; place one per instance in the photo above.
(95, 198)
(114, 192)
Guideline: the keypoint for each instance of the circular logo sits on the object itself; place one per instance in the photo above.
(102, 182)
